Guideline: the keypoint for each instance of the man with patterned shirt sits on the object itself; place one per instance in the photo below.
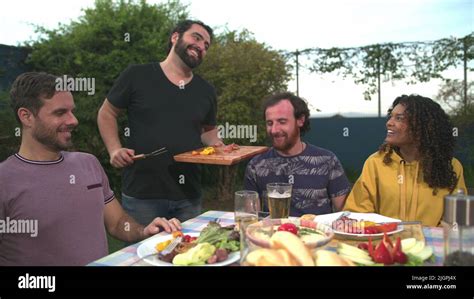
(54, 203)
(320, 185)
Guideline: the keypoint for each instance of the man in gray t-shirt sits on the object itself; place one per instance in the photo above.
(53, 203)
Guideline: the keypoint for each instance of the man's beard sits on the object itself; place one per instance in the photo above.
(49, 137)
(182, 50)
(291, 140)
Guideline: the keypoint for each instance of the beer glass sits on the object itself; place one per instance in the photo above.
(279, 199)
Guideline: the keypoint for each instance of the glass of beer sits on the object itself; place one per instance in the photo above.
(246, 209)
(279, 199)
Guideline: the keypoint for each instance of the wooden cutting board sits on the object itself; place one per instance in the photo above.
(221, 157)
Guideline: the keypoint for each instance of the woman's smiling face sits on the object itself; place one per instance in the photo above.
(398, 131)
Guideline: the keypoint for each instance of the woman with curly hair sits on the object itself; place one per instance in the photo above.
(414, 168)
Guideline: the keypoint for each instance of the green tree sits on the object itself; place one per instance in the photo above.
(9, 128)
(114, 34)
(451, 94)
(243, 71)
(100, 44)
(410, 61)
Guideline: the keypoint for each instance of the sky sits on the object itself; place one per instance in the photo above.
(296, 24)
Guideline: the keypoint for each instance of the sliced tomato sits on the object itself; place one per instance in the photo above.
(385, 228)
(370, 230)
(289, 227)
(186, 238)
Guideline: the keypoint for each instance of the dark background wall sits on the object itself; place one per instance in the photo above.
(354, 139)
(351, 139)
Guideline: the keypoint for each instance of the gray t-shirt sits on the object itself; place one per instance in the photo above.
(64, 199)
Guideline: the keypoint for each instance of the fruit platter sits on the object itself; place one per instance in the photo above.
(408, 251)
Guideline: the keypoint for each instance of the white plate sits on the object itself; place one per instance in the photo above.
(377, 218)
(148, 247)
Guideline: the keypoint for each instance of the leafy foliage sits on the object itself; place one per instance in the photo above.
(243, 71)
(96, 46)
(100, 45)
(451, 94)
(8, 128)
(411, 61)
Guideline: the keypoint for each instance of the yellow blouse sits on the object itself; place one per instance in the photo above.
(397, 190)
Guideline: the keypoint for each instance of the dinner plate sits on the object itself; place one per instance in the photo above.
(377, 218)
(148, 247)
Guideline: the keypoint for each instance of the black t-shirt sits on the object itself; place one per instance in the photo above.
(161, 114)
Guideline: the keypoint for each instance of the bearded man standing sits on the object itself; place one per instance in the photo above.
(167, 106)
(320, 185)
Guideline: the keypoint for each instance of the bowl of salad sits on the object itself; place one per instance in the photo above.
(312, 234)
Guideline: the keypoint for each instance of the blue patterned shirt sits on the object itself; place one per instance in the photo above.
(316, 175)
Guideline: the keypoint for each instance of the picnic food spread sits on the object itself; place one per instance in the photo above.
(286, 239)
(220, 155)
(309, 232)
(354, 226)
(309, 217)
(408, 251)
(206, 151)
(212, 150)
(213, 245)
(231, 147)
(286, 250)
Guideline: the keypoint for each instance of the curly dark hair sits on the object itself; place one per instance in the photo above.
(431, 127)
(299, 106)
(184, 26)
